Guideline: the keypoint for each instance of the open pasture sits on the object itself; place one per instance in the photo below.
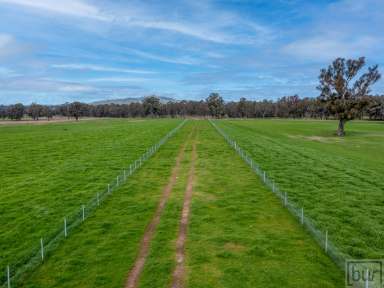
(338, 181)
(238, 234)
(49, 171)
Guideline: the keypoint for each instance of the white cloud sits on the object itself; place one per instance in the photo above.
(327, 48)
(74, 88)
(345, 28)
(5, 72)
(9, 46)
(92, 67)
(186, 60)
(119, 79)
(5, 40)
(194, 30)
(43, 85)
(142, 16)
(68, 7)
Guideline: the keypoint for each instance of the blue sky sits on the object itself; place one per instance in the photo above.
(57, 51)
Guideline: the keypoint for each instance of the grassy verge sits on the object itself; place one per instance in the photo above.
(337, 181)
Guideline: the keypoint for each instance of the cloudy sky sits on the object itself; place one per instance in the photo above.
(56, 51)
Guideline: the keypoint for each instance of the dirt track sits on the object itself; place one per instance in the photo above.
(178, 277)
(134, 274)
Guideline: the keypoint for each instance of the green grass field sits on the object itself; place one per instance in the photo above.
(49, 171)
(239, 234)
(338, 181)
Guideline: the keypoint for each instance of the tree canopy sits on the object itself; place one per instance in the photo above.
(344, 99)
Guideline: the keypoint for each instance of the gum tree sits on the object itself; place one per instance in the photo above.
(151, 105)
(215, 105)
(344, 99)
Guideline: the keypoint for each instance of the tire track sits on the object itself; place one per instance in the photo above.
(134, 274)
(178, 277)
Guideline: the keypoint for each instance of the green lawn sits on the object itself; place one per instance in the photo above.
(49, 171)
(338, 181)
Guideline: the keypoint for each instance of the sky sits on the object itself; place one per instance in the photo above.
(53, 52)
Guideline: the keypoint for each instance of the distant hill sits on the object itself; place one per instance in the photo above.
(130, 100)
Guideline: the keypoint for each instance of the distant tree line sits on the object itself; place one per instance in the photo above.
(342, 97)
(214, 106)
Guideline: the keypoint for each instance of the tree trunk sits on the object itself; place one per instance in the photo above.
(340, 129)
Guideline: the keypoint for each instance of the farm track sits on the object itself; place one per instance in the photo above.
(133, 277)
(179, 272)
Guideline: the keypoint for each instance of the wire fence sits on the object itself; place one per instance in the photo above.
(321, 237)
(16, 271)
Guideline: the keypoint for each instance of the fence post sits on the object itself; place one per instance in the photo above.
(83, 209)
(285, 198)
(366, 278)
(117, 181)
(125, 176)
(42, 249)
(109, 188)
(302, 215)
(65, 227)
(326, 241)
(264, 176)
(8, 277)
(273, 186)
(98, 198)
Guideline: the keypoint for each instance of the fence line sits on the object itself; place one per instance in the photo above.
(321, 237)
(16, 271)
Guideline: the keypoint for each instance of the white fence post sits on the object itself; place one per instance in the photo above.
(366, 278)
(264, 176)
(117, 181)
(8, 277)
(302, 215)
(97, 198)
(285, 199)
(42, 249)
(273, 187)
(109, 188)
(125, 176)
(83, 209)
(326, 241)
(65, 227)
